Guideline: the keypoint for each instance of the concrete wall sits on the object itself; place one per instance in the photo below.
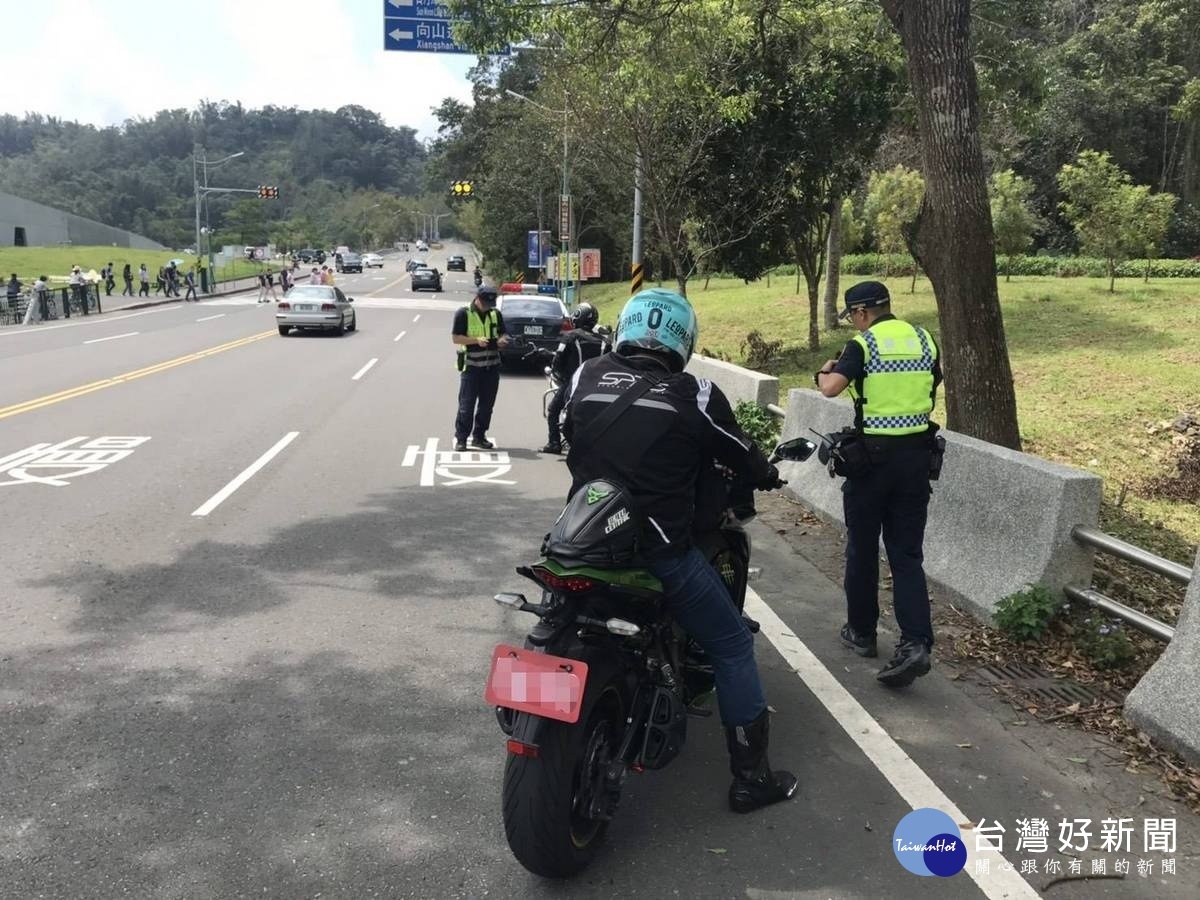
(48, 227)
(738, 384)
(999, 520)
(1165, 704)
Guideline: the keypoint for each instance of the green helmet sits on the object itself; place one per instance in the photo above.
(660, 320)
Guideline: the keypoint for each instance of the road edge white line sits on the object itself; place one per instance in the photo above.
(210, 318)
(112, 337)
(400, 335)
(365, 369)
(908, 779)
(223, 494)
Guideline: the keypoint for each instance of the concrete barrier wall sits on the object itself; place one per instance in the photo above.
(738, 384)
(1165, 704)
(999, 520)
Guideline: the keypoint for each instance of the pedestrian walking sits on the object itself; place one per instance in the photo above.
(190, 279)
(262, 287)
(109, 281)
(892, 371)
(78, 291)
(127, 276)
(144, 277)
(478, 332)
(42, 292)
(14, 290)
(285, 280)
(160, 286)
(172, 280)
(315, 276)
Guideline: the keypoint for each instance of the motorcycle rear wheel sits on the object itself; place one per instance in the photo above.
(544, 798)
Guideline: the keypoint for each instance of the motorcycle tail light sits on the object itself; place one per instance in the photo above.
(572, 584)
(520, 748)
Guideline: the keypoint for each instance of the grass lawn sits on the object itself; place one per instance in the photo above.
(56, 262)
(1095, 372)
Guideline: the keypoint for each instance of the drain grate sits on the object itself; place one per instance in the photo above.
(1035, 681)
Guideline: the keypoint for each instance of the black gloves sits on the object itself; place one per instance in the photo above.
(772, 481)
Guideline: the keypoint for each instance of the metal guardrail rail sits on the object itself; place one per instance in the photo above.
(1106, 543)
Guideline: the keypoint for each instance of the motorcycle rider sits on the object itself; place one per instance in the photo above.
(478, 277)
(578, 345)
(659, 449)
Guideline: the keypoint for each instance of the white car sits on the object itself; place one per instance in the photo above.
(372, 260)
(422, 247)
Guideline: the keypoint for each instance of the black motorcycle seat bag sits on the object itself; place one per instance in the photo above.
(600, 526)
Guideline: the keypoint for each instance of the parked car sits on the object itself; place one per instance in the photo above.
(372, 260)
(316, 307)
(349, 262)
(456, 264)
(309, 255)
(426, 279)
(530, 319)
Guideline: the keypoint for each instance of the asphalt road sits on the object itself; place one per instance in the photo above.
(245, 623)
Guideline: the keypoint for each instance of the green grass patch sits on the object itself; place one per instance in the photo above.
(56, 262)
(1095, 372)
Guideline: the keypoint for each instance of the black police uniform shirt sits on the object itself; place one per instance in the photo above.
(658, 447)
(851, 362)
(577, 347)
(460, 320)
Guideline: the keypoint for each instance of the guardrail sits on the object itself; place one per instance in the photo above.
(1106, 543)
(26, 307)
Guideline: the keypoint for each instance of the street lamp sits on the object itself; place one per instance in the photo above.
(203, 165)
(564, 272)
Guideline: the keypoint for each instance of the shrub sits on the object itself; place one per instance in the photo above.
(758, 351)
(1025, 615)
(1105, 644)
(1061, 266)
(758, 423)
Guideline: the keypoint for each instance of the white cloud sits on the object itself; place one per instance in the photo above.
(106, 62)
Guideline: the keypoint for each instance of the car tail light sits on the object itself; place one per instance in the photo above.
(328, 307)
(574, 584)
(285, 305)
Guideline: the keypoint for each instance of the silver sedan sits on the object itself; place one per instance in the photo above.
(316, 306)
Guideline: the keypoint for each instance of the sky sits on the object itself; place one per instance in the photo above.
(107, 61)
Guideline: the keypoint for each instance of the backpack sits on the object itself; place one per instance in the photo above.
(600, 526)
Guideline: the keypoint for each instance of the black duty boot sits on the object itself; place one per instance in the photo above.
(862, 644)
(754, 784)
(910, 661)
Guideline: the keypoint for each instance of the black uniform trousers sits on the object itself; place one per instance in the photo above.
(893, 499)
(477, 388)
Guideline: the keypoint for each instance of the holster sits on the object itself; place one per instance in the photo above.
(937, 452)
(848, 456)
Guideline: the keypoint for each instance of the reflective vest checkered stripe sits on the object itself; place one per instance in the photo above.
(895, 393)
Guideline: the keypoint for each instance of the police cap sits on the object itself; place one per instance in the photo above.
(865, 295)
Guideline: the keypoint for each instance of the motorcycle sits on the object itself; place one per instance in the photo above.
(478, 278)
(606, 680)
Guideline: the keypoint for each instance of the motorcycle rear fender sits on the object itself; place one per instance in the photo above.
(604, 670)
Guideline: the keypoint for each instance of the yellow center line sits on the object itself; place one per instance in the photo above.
(71, 393)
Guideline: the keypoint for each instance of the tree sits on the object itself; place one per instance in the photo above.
(952, 238)
(893, 204)
(1012, 218)
(1099, 203)
(1149, 219)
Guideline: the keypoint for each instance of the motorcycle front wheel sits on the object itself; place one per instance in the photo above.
(546, 801)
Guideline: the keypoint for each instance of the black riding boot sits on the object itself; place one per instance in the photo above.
(754, 784)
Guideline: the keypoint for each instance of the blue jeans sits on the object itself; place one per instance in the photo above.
(698, 600)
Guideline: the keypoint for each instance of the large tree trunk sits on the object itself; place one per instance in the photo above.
(833, 266)
(952, 239)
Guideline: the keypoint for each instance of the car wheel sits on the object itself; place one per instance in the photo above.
(353, 323)
(341, 330)
(283, 330)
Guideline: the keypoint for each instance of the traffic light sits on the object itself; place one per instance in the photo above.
(462, 188)
(268, 192)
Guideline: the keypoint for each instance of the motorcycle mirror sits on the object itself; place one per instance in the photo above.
(795, 450)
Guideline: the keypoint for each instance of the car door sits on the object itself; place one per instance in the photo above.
(345, 307)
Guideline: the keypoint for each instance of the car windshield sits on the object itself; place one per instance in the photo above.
(311, 292)
(515, 307)
(346, 256)
(424, 271)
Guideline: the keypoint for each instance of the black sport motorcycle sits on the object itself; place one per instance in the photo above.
(606, 680)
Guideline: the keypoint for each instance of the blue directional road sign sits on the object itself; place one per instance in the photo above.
(426, 35)
(415, 9)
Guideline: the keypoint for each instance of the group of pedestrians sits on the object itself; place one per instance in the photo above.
(323, 275)
(266, 284)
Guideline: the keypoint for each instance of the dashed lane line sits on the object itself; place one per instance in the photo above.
(365, 369)
(399, 336)
(210, 318)
(905, 776)
(112, 337)
(224, 493)
(71, 393)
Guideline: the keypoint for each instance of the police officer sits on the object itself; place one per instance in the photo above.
(658, 448)
(891, 370)
(478, 331)
(577, 347)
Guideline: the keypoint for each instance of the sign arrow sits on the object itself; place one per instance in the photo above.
(401, 4)
(397, 35)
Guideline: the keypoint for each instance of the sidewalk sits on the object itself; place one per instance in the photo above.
(224, 289)
(992, 761)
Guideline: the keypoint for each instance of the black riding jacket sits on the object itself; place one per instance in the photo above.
(576, 348)
(660, 446)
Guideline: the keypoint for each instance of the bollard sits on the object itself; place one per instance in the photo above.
(99, 308)
(66, 300)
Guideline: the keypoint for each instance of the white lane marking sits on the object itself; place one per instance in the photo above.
(400, 335)
(910, 782)
(99, 318)
(223, 494)
(210, 318)
(365, 369)
(112, 337)
(417, 317)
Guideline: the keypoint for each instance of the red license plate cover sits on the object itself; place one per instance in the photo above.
(536, 683)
